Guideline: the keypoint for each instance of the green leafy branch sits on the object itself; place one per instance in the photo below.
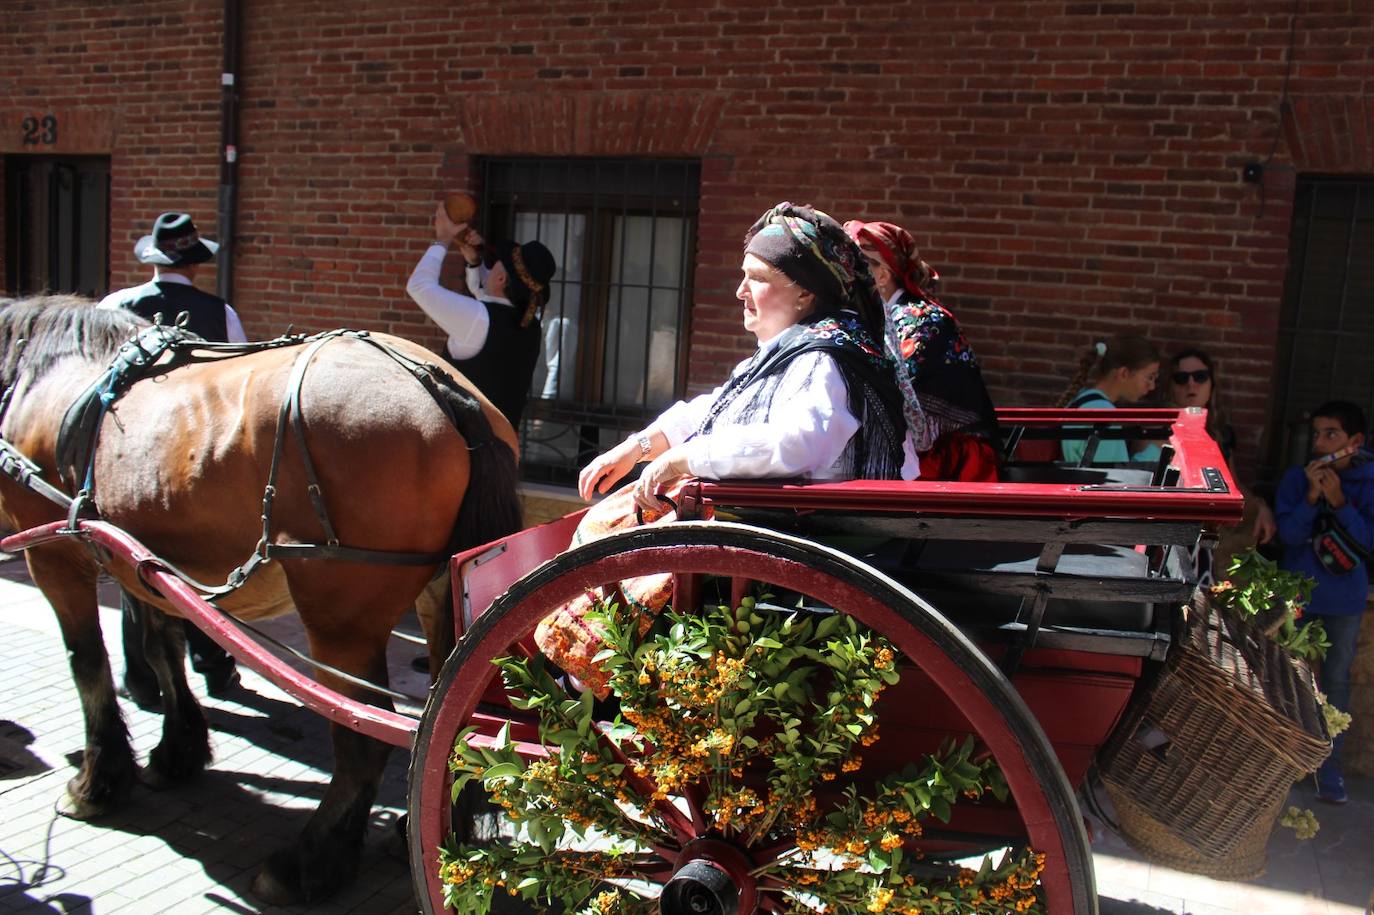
(1273, 599)
(757, 714)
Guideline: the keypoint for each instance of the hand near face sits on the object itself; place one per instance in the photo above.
(1323, 482)
(468, 243)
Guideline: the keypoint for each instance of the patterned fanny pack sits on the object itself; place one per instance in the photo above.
(1338, 552)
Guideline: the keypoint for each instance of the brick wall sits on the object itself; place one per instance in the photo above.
(1072, 168)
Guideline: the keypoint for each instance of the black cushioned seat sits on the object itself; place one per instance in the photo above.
(929, 568)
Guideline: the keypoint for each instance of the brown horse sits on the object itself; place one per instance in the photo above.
(182, 462)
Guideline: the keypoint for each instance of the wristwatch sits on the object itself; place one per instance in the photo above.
(645, 444)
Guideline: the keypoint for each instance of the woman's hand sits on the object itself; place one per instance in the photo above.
(662, 472)
(607, 469)
(445, 229)
(468, 242)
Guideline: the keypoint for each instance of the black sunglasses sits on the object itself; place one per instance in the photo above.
(1200, 376)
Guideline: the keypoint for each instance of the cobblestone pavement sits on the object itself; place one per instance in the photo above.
(195, 848)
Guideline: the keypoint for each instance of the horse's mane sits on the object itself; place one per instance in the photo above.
(38, 331)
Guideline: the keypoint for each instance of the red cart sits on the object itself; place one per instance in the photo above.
(1023, 615)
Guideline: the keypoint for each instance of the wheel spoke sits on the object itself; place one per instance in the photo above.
(682, 828)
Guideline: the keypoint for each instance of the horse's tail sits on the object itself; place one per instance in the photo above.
(491, 504)
(490, 510)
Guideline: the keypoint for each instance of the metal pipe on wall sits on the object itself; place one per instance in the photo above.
(228, 166)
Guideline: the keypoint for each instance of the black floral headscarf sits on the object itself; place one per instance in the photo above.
(813, 250)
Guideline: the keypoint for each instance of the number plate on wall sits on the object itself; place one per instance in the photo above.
(56, 130)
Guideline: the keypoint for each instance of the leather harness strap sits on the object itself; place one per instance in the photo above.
(138, 360)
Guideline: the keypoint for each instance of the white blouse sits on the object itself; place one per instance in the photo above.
(462, 317)
(804, 434)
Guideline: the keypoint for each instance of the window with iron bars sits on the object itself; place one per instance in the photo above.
(57, 224)
(1326, 326)
(615, 328)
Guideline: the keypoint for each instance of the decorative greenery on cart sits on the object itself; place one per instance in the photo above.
(758, 713)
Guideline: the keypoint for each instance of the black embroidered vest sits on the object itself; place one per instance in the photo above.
(206, 312)
(502, 369)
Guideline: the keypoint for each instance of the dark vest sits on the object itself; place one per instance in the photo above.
(502, 369)
(205, 311)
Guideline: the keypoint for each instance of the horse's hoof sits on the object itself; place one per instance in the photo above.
(279, 882)
(75, 807)
(397, 843)
(272, 891)
(176, 765)
(153, 778)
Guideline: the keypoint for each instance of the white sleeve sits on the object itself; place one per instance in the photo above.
(807, 429)
(462, 317)
(682, 418)
(233, 327)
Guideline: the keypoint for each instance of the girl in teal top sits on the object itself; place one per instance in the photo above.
(1121, 369)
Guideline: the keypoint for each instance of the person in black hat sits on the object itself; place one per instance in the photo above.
(175, 250)
(493, 336)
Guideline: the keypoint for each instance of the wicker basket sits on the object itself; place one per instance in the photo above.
(1202, 762)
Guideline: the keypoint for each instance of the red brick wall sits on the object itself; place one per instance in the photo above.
(1072, 168)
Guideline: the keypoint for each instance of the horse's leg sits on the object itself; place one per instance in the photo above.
(434, 608)
(184, 750)
(108, 769)
(325, 857)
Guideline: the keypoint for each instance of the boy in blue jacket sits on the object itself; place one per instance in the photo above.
(1322, 492)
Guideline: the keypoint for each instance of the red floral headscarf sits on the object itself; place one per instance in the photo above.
(897, 249)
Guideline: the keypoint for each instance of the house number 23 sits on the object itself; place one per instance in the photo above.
(39, 131)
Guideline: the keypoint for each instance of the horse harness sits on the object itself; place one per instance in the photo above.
(142, 357)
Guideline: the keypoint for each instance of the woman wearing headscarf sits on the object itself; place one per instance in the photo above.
(944, 400)
(815, 401)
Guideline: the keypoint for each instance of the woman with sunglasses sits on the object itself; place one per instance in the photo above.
(1192, 383)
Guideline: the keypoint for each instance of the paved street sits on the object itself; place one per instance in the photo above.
(195, 849)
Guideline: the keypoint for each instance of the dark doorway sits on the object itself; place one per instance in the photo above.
(1326, 331)
(57, 224)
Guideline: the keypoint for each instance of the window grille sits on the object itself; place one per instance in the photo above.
(615, 328)
(57, 225)
(1326, 325)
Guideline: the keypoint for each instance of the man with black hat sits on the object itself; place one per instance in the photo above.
(175, 250)
(493, 336)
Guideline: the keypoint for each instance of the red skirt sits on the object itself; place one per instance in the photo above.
(961, 458)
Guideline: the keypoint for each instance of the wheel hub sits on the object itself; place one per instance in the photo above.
(711, 878)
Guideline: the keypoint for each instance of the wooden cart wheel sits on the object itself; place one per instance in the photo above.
(1039, 789)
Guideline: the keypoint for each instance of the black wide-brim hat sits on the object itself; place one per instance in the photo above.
(529, 268)
(174, 243)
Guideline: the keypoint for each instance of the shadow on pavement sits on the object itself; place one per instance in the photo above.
(16, 760)
(1121, 907)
